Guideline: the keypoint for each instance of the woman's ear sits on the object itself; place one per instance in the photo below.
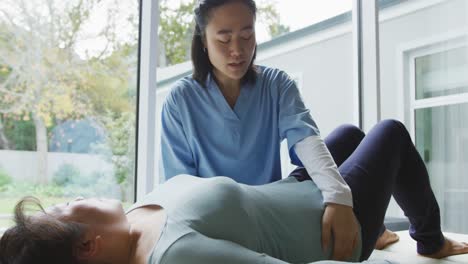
(89, 247)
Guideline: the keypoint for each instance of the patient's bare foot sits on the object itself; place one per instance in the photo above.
(387, 238)
(450, 248)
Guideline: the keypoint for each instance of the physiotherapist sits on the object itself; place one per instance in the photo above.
(229, 117)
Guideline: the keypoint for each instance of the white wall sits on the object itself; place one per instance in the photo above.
(326, 68)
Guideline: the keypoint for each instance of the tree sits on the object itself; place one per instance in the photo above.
(44, 75)
(269, 16)
(175, 32)
(4, 72)
(277, 29)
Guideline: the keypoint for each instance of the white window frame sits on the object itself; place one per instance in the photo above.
(435, 101)
(406, 78)
(455, 41)
(366, 87)
(146, 140)
(407, 53)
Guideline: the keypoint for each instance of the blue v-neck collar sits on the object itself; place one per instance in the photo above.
(234, 113)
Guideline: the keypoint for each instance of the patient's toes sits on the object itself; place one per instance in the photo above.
(388, 237)
(450, 248)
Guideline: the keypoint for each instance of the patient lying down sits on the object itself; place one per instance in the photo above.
(187, 220)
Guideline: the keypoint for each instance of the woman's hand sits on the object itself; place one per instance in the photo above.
(340, 221)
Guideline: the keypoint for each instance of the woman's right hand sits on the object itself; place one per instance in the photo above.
(340, 221)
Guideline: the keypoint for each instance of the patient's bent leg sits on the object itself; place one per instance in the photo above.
(343, 141)
(387, 162)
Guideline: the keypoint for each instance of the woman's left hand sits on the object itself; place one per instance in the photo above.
(340, 221)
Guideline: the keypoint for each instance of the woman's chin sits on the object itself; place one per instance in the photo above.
(230, 74)
(236, 74)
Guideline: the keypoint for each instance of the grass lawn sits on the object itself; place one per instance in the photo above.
(5, 223)
(6, 205)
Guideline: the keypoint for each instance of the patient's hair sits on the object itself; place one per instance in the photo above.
(39, 238)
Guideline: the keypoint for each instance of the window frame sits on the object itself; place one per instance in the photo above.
(407, 54)
(145, 173)
(406, 78)
(415, 104)
(366, 63)
(431, 46)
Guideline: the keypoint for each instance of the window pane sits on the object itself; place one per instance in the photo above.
(68, 75)
(442, 141)
(442, 73)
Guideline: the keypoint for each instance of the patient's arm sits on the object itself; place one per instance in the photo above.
(195, 248)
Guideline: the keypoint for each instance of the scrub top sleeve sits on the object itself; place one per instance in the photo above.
(176, 156)
(195, 248)
(294, 120)
(321, 167)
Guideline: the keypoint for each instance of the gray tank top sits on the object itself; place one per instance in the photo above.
(216, 220)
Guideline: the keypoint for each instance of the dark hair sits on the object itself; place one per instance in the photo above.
(39, 238)
(201, 63)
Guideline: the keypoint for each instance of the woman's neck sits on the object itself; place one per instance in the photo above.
(146, 226)
(230, 88)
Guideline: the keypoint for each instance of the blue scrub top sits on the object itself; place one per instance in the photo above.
(202, 135)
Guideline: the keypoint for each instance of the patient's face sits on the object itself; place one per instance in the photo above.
(93, 211)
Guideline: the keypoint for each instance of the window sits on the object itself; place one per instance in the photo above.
(442, 73)
(68, 78)
(441, 139)
(440, 106)
(423, 83)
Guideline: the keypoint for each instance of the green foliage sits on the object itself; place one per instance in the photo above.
(121, 139)
(5, 179)
(5, 71)
(66, 174)
(20, 131)
(277, 29)
(269, 15)
(20, 189)
(96, 184)
(175, 31)
(109, 81)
